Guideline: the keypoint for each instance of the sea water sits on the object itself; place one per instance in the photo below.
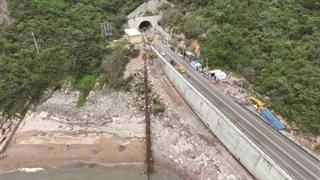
(112, 173)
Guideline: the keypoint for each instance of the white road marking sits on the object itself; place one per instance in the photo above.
(240, 108)
(204, 86)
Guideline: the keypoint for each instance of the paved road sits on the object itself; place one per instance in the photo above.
(297, 162)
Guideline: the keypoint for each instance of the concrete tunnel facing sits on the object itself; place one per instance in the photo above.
(145, 25)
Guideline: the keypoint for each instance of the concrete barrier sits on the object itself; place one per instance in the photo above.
(242, 148)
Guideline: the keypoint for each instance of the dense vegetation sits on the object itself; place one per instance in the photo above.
(70, 42)
(274, 44)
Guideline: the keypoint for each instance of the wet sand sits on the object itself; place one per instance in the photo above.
(111, 173)
(106, 150)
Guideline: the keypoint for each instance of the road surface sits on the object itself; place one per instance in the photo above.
(292, 158)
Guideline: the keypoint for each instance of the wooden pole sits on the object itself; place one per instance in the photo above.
(35, 43)
(102, 31)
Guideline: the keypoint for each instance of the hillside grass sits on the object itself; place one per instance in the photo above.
(70, 42)
(274, 44)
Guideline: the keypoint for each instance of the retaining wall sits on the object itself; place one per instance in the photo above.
(246, 151)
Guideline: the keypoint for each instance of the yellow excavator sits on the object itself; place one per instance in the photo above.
(259, 103)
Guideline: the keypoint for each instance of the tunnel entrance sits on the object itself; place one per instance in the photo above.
(145, 25)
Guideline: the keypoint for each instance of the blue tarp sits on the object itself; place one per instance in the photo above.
(272, 120)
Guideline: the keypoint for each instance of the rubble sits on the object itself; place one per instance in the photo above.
(176, 136)
(7, 127)
(110, 129)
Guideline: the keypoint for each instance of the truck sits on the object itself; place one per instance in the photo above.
(196, 65)
(218, 74)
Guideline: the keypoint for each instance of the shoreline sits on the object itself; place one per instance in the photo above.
(72, 165)
(109, 131)
(89, 166)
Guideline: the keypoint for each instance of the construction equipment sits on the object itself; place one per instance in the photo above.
(271, 119)
(181, 69)
(259, 103)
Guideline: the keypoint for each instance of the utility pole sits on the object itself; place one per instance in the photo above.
(102, 30)
(207, 63)
(35, 43)
(106, 30)
(170, 37)
(109, 32)
(241, 86)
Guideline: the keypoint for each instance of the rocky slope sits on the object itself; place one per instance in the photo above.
(4, 12)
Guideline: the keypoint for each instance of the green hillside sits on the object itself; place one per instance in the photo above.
(274, 44)
(71, 47)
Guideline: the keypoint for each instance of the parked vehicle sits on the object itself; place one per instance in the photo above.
(181, 69)
(163, 53)
(164, 41)
(173, 62)
(271, 119)
(190, 55)
(196, 65)
(173, 49)
(218, 74)
(180, 55)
